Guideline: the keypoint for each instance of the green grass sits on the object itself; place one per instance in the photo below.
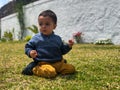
(98, 68)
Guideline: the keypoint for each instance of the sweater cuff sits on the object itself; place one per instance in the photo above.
(28, 53)
(68, 47)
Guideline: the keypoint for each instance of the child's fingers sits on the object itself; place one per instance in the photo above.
(33, 53)
(71, 41)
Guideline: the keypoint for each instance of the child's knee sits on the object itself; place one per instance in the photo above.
(71, 68)
(46, 71)
(68, 69)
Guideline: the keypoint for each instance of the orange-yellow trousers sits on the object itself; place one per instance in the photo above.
(50, 70)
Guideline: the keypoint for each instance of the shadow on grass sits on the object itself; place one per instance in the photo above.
(69, 76)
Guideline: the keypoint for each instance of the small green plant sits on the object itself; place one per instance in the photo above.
(0, 33)
(8, 36)
(77, 37)
(2, 40)
(34, 29)
(27, 38)
(103, 42)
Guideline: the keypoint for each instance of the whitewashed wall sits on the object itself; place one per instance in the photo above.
(95, 18)
(9, 23)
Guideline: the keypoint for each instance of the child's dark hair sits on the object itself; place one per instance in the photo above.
(49, 13)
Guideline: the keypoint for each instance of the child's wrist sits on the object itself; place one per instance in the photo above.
(70, 46)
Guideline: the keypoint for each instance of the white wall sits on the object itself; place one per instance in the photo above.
(95, 18)
(10, 22)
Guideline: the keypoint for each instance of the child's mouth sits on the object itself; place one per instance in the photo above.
(44, 30)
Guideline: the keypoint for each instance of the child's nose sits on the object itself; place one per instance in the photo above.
(43, 26)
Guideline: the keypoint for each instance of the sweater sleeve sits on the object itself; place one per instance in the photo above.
(65, 48)
(28, 47)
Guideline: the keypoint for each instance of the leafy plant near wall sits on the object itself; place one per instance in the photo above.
(77, 37)
(34, 29)
(27, 38)
(103, 42)
(8, 35)
(0, 33)
(20, 16)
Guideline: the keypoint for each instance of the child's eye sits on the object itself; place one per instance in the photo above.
(40, 24)
(47, 24)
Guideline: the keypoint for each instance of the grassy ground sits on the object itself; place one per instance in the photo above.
(98, 68)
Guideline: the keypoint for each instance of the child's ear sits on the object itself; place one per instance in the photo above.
(55, 26)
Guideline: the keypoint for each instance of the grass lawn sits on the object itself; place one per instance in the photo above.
(98, 68)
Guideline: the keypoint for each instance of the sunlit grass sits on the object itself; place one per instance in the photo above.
(97, 66)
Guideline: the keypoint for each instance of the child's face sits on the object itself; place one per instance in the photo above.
(46, 25)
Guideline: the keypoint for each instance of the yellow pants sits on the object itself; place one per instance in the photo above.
(49, 70)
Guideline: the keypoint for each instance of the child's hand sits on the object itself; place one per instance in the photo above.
(33, 53)
(70, 42)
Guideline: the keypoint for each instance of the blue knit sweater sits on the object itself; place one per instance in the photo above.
(49, 48)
